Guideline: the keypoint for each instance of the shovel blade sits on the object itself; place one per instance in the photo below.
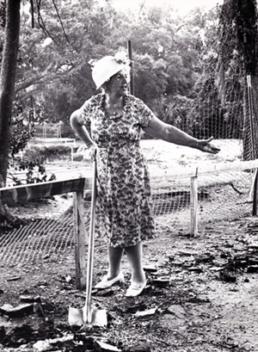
(77, 317)
(99, 317)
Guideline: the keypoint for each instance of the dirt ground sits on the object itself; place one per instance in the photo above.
(201, 295)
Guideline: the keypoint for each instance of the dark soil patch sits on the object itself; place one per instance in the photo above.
(186, 306)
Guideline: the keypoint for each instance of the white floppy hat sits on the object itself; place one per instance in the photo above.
(107, 67)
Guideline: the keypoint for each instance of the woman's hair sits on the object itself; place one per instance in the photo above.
(105, 86)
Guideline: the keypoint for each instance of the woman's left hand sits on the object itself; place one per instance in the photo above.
(205, 146)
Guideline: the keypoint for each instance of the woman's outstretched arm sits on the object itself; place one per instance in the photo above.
(161, 130)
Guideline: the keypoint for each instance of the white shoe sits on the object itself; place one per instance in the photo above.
(135, 289)
(105, 282)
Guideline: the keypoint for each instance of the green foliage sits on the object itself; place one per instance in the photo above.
(21, 129)
(2, 13)
(238, 33)
(164, 54)
(189, 70)
(175, 61)
(42, 154)
(218, 108)
(36, 172)
(176, 113)
(238, 57)
(33, 161)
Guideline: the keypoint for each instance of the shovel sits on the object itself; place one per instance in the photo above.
(86, 316)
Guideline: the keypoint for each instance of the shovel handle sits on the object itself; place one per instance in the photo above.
(88, 312)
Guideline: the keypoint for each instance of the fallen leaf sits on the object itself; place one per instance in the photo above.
(41, 346)
(151, 268)
(14, 278)
(102, 346)
(30, 298)
(145, 313)
(8, 309)
(177, 310)
(22, 309)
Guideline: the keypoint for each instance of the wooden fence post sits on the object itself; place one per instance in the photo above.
(130, 55)
(80, 237)
(255, 181)
(194, 205)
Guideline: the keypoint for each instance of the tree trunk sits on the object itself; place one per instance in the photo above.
(7, 82)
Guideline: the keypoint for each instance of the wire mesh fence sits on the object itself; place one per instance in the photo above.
(226, 197)
(36, 240)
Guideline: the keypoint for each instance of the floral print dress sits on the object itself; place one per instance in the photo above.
(124, 207)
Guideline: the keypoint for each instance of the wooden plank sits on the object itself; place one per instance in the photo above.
(255, 195)
(25, 193)
(251, 193)
(80, 241)
(206, 169)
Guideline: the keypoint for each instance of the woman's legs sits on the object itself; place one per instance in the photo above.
(138, 279)
(114, 274)
(134, 255)
(115, 256)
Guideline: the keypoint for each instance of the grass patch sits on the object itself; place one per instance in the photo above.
(44, 153)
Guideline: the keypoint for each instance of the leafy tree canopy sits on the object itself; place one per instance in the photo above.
(53, 57)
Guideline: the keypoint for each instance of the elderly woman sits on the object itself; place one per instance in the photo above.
(112, 122)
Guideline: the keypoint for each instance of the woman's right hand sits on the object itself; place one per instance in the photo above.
(90, 152)
(93, 152)
(205, 146)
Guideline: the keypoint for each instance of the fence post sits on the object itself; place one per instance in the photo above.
(79, 240)
(130, 55)
(194, 205)
(255, 181)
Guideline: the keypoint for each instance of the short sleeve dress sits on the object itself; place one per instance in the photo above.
(124, 206)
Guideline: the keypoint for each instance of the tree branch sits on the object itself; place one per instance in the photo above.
(41, 22)
(61, 22)
(32, 13)
(38, 80)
